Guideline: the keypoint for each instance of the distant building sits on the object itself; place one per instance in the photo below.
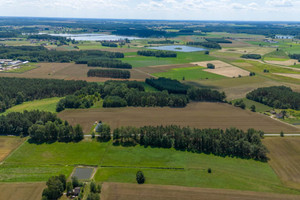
(76, 191)
(284, 37)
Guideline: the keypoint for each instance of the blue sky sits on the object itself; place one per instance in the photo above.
(254, 10)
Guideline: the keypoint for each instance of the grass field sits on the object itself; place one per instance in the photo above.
(279, 55)
(123, 191)
(198, 115)
(24, 191)
(259, 107)
(48, 105)
(284, 155)
(182, 57)
(188, 73)
(37, 162)
(22, 69)
(8, 144)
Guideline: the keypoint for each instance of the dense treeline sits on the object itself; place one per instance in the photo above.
(40, 126)
(61, 40)
(109, 73)
(218, 40)
(231, 142)
(162, 42)
(295, 56)
(118, 94)
(277, 97)
(15, 91)
(109, 44)
(160, 53)
(251, 56)
(172, 86)
(208, 44)
(109, 63)
(198, 94)
(83, 98)
(41, 54)
(10, 34)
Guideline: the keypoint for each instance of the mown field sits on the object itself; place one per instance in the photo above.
(121, 191)
(8, 144)
(119, 164)
(285, 160)
(198, 115)
(24, 191)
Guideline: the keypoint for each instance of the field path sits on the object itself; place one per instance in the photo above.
(123, 191)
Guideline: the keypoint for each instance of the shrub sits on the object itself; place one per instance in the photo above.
(209, 170)
(140, 178)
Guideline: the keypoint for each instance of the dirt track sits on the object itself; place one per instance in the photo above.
(123, 191)
(198, 115)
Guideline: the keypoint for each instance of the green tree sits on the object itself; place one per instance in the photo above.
(75, 181)
(140, 178)
(253, 108)
(93, 196)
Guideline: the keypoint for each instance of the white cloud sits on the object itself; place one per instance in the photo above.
(280, 3)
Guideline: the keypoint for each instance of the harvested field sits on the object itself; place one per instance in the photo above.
(8, 144)
(248, 50)
(284, 63)
(68, 71)
(123, 191)
(223, 69)
(284, 159)
(198, 115)
(297, 76)
(24, 191)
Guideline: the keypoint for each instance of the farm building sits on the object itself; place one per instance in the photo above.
(76, 191)
(284, 37)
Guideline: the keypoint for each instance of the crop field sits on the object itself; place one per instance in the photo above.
(248, 50)
(182, 57)
(284, 159)
(295, 76)
(48, 105)
(68, 71)
(24, 191)
(224, 69)
(8, 144)
(119, 164)
(123, 191)
(198, 115)
(283, 62)
(189, 73)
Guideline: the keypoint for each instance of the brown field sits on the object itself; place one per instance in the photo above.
(284, 63)
(223, 69)
(123, 191)
(198, 115)
(236, 43)
(297, 76)
(8, 144)
(285, 159)
(68, 71)
(21, 191)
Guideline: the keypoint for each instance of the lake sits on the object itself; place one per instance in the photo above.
(94, 37)
(179, 48)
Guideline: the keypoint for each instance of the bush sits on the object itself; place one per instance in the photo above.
(209, 170)
(93, 196)
(251, 56)
(281, 134)
(210, 66)
(140, 178)
(253, 108)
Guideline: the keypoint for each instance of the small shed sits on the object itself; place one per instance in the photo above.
(76, 191)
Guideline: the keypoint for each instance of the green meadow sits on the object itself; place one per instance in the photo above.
(32, 162)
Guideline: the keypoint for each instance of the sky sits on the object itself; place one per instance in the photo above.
(237, 10)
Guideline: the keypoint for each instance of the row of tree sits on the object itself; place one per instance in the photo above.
(109, 63)
(160, 53)
(276, 96)
(109, 44)
(251, 56)
(231, 142)
(109, 73)
(208, 44)
(15, 91)
(162, 42)
(40, 126)
(218, 40)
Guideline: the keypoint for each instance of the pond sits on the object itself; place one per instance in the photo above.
(179, 48)
(83, 173)
(94, 37)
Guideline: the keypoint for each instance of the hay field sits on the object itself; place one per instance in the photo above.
(284, 63)
(297, 76)
(123, 191)
(224, 69)
(21, 191)
(284, 159)
(198, 115)
(248, 50)
(68, 71)
(8, 144)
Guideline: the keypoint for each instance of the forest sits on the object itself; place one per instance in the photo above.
(208, 44)
(109, 44)
(251, 56)
(172, 86)
(108, 63)
(230, 142)
(15, 91)
(41, 54)
(109, 73)
(218, 40)
(277, 97)
(40, 126)
(160, 53)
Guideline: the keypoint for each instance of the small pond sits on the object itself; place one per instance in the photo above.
(83, 173)
(179, 48)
